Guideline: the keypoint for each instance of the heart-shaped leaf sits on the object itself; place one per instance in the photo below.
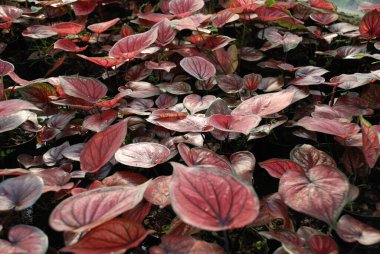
(184, 8)
(277, 167)
(324, 18)
(142, 154)
(320, 192)
(88, 89)
(370, 25)
(157, 192)
(113, 236)
(243, 164)
(307, 156)
(371, 143)
(89, 209)
(195, 103)
(20, 192)
(207, 198)
(230, 83)
(198, 67)
(102, 147)
(165, 33)
(235, 123)
(100, 121)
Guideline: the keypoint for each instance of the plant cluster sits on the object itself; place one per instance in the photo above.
(147, 120)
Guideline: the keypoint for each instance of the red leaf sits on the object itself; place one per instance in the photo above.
(68, 45)
(200, 156)
(320, 192)
(230, 83)
(102, 147)
(243, 164)
(142, 154)
(132, 45)
(185, 244)
(88, 89)
(65, 28)
(265, 104)
(324, 18)
(103, 26)
(117, 235)
(322, 4)
(270, 14)
(198, 67)
(370, 25)
(25, 239)
(308, 157)
(251, 81)
(100, 121)
(235, 123)
(195, 103)
(322, 244)
(9, 13)
(250, 54)
(82, 8)
(166, 100)
(352, 230)
(224, 17)
(13, 106)
(157, 192)
(103, 61)
(329, 126)
(187, 124)
(165, 33)
(277, 167)
(371, 143)
(20, 192)
(90, 209)
(207, 198)
(183, 8)
(6, 67)
(55, 179)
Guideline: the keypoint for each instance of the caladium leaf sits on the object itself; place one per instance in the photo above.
(290, 241)
(251, 54)
(82, 8)
(141, 89)
(265, 104)
(9, 13)
(163, 65)
(188, 123)
(198, 67)
(132, 45)
(206, 198)
(53, 155)
(165, 33)
(9, 107)
(29, 161)
(73, 152)
(252, 81)
(230, 83)
(200, 156)
(271, 84)
(320, 192)
(177, 88)
(277, 167)
(235, 123)
(180, 228)
(195, 103)
(11, 122)
(88, 89)
(89, 209)
(183, 8)
(324, 18)
(307, 156)
(100, 121)
(65, 28)
(321, 244)
(6, 68)
(103, 61)
(329, 126)
(185, 244)
(142, 154)
(166, 101)
(25, 239)
(351, 230)
(157, 192)
(371, 143)
(20, 192)
(224, 17)
(103, 26)
(68, 45)
(102, 147)
(270, 14)
(117, 235)
(243, 164)
(370, 25)
(55, 179)
(289, 41)
(322, 4)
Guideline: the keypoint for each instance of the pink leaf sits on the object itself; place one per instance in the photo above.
(235, 123)
(20, 192)
(142, 155)
(324, 18)
(277, 167)
(25, 239)
(371, 144)
(207, 198)
(320, 192)
(132, 45)
(184, 8)
(90, 209)
(13, 106)
(100, 121)
(65, 28)
(352, 230)
(141, 89)
(250, 54)
(166, 100)
(103, 61)
(198, 67)
(165, 33)
(187, 124)
(88, 89)
(163, 65)
(6, 68)
(102, 147)
(82, 8)
(103, 26)
(224, 17)
(55, 179)
(230, 83)
(68, 45)
(115, 236)
(243, 164)
(157, 192)
(195, 103)
(308, 157)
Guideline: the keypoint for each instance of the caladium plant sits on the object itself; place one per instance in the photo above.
(149, 125)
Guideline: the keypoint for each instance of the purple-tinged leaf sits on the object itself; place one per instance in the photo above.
(289, 41)
(6, 68)
(198, 67)
(166, 101)
(115, 236)
(60, 120)
(94, 155)
(132, 45)
(324, 18)
(243, 164)
(351, 230)
(20, 192)
(90, 209)
(25, 239)
(371, 143)
(73, 152)
(176, 88)
(277, 167)
(30, 161)
(207, 198)
(219, 106)
(307, 156)
(141, 89)
(142, 155)
(53, 155)
(100, 121)
(88, 89)
(230, 83)
(251, 54)
(195, 103)
(55, 179)
(235, 123)
(188, 124)
(320, 192)
(183, 8)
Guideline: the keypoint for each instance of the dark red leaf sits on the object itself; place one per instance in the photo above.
(103, 26)
(102, 147)
(82, 8)
(370, 25)
(371, 143)
(103, 61)
(100, 121)
(68, 45)
(307, 156)
(207, 198)
(117, 235)
(277, 167)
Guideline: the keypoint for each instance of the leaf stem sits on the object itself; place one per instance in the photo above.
(226, 242)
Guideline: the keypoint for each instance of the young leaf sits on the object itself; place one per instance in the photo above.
(211, 199)
(198, 67)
